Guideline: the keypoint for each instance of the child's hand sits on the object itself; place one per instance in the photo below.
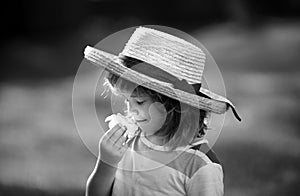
(112, 145)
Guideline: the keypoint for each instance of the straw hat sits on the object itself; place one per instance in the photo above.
(172, 66)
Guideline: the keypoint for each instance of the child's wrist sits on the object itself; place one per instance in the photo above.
(107, 166)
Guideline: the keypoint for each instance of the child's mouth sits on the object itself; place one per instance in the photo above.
(139, 121)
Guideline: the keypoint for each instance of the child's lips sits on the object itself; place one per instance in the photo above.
(139, 121)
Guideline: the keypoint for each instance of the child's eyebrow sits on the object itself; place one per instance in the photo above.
(135, 96)
(138, 96)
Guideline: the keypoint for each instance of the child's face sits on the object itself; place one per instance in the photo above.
(150, 116)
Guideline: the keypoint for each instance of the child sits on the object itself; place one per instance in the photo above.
(160, 77)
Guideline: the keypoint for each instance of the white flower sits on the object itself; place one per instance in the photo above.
(129, 123)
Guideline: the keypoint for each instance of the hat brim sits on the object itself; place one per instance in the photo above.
(112, 63)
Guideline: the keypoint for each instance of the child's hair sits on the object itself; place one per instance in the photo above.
(183, 122)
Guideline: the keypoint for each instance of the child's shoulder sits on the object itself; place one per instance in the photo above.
(204, 148)
(194, 159)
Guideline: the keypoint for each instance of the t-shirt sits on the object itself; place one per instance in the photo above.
(149, 169)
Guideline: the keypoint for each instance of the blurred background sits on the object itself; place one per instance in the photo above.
(256, 45)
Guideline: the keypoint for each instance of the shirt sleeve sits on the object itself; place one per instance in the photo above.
(207, 181)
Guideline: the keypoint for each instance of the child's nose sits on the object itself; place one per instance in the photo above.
(133, 110)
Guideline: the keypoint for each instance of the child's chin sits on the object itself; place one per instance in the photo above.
(147, 131)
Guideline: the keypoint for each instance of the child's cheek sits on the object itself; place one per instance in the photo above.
(158, 114)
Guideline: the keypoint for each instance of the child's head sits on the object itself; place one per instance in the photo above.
(170, 71)
(157, 114)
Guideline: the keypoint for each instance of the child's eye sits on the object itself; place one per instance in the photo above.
(140, 102)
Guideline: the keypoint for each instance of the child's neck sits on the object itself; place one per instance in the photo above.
(157, 140)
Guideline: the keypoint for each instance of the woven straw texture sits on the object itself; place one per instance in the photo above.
(167, 52)
(113, 64)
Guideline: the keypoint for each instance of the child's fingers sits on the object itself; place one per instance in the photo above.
(111, 131)
(117, 135)
(120, 137)
(120, 142)
(123, 147)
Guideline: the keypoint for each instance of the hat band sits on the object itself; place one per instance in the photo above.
(161, 75)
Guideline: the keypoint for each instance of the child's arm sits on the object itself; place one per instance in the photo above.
(111, 151)
(207, 181)
(101, 180)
